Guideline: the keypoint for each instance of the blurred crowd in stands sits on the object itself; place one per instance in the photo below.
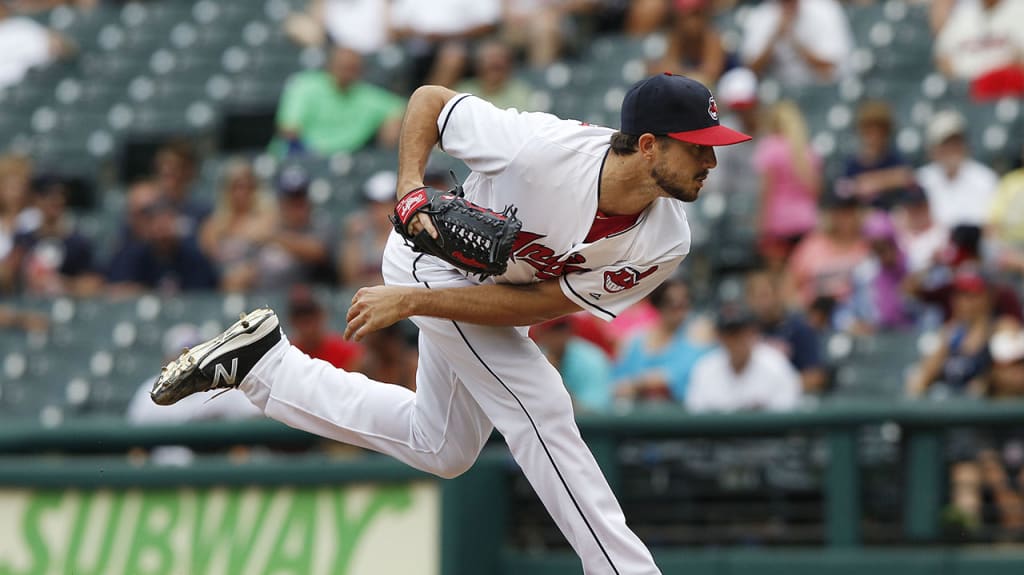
(886, 246)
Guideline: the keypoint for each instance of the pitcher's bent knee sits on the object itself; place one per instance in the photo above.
(452, 468)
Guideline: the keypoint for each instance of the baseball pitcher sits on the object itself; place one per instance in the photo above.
(557, 216)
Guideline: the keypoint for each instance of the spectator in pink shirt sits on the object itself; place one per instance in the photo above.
(823, 262)
(790, 182)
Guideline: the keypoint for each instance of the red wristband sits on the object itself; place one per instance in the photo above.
(411, 202)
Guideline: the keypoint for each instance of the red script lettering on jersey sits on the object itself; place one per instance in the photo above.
(544, 260)
(624, 279)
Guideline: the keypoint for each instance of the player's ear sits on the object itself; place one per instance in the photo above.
(646, 145)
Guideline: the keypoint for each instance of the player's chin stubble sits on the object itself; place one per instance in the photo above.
(683, 193)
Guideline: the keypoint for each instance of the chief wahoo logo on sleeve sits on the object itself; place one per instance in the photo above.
(626, 278)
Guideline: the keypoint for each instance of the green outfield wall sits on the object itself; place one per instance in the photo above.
(71, 502)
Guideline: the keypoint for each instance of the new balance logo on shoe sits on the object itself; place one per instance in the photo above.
(220, 373)
(222, 362)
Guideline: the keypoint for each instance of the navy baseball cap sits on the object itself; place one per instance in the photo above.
(678, 107)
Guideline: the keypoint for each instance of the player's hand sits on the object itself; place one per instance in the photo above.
(422, 222)
(377, 307)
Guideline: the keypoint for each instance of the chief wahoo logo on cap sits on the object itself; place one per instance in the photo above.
(712, 108)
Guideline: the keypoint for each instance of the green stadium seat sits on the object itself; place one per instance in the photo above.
(113, 69)
(82, 26)
(877, 366)
(255, 90)
(389, 68)
(370, 161)
(612, 51)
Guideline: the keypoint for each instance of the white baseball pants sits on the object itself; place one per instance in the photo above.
(470, 379)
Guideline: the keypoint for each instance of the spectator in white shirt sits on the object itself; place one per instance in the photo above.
(920, 237)
(361, 25)
(439, 34)
(798, 42)
(743, 374)
(979, 37)
(26, 44)
(960, 189)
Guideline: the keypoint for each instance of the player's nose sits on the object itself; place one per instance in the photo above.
(710, 160)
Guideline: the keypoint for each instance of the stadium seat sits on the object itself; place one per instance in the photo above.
(876, 366)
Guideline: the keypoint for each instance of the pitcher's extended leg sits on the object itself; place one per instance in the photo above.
(439, 428)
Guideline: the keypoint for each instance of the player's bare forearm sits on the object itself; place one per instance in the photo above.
(495, 304)
(419, 134)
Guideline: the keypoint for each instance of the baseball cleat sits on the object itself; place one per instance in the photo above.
(220, 363)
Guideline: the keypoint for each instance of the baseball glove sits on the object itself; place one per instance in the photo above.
(470, 237)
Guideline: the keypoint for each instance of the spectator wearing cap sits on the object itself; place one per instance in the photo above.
(960, 189)
(786, 330)
(135, 225)
(655, 365)
(878, 302)
(309, 332)
(494, 80)
(736, 177)
(737, 93)
(934, 286)
(1006, 220)
(167, 262)
(877, 171)
(694, 44)
(242, 223)
(962, 360)
(299, 250)
(742, 373)
(823, 261)
(53, 258)
(920, 236)
(584, 367)
(328, 111)
(798, 42)
(366, 232)
(791, 178)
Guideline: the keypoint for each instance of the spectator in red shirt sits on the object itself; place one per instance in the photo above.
(309, 332)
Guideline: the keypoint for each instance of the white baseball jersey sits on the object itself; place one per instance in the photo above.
(550, 169)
